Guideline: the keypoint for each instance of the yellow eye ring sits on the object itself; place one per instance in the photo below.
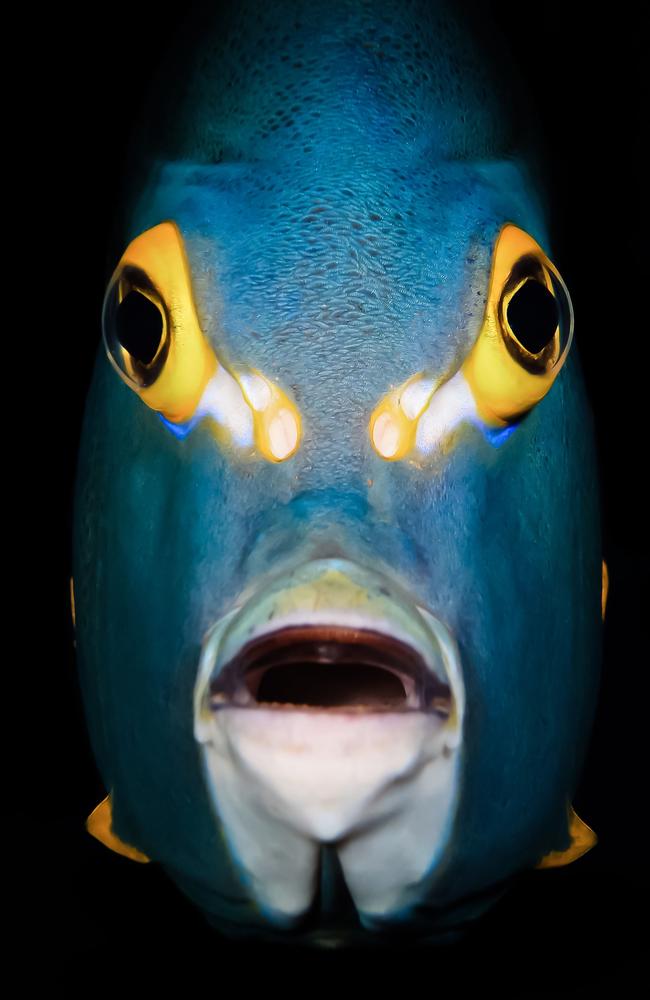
(154, 267)
(506, 378)
(154, 341)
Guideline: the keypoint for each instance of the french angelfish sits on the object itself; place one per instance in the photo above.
(337, 571)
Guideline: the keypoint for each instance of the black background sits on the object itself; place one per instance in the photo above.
(82, 915)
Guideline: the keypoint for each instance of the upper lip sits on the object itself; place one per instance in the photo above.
(300, 666)
(333, 635)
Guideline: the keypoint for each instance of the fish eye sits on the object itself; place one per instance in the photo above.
(526, 333)
(155, 343)
(533, 313)
(160, 352)
(531, 317)
(136, 326)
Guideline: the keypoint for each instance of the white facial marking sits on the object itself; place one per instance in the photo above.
(449, 405)
(223, 401)
(257, 389)
(385, 435)
(283, 433)
(415, 396)
(378, 785)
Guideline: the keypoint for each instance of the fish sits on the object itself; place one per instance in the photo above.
(338, 585)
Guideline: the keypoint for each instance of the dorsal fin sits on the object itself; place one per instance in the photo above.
(583, 839)
(100, 825)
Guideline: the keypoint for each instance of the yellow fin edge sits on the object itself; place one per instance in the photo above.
(100, 826)
(583, 839)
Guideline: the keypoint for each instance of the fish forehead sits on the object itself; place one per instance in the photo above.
(354, 275)
(342, 281)
(335, 223)
(323, 179)
(268, 80)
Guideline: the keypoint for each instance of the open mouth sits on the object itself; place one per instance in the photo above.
(330, 637)
(333, 667)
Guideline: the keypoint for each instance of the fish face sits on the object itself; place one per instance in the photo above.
(337, 567)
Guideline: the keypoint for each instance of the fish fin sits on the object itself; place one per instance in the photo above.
(583, 839)
(605, 589)
(72, 607)
(100, 825)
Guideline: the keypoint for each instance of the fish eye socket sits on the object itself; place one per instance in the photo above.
(154, 341)
(150, 326)
(135, 327)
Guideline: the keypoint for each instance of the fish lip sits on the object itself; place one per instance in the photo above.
(426, 633)
(239, 680)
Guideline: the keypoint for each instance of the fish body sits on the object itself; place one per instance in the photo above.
(335, 470)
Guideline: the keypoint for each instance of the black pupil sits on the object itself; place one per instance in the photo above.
(533, 316)
(139, 326)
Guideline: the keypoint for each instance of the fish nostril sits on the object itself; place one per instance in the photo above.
(321, 523)
(351, 504)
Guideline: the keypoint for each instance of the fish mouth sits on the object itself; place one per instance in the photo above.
(330, 636)
(330, 668)
(329, 709)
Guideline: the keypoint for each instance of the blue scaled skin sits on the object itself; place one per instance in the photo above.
(339, 172)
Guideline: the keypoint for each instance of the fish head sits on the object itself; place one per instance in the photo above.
(337, 567)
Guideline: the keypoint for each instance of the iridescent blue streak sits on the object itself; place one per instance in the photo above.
(180, 430)
(497, 436)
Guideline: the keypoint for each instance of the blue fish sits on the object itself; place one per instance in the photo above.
(337, 580)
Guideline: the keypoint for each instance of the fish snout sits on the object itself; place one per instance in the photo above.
(331, 635)
(329, 708)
